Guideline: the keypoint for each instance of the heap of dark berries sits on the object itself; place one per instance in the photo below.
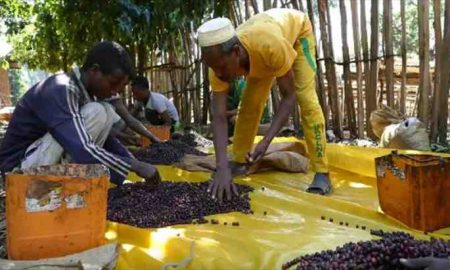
(383, 253)
(170, 203)
(166, 153)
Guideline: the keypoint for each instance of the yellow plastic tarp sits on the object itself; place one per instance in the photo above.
(292, 225)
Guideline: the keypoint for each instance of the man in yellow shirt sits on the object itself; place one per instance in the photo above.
(276, 44)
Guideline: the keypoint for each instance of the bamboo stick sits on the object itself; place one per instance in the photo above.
(373, 80)
(348, 91)
(444, 82)
(424, 58)
(330, 69)
(357, 47)
(437, 74)
(403, 53)
(389, 60)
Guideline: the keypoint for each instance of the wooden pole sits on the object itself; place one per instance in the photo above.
(389, 57)
(437, 74)
(348, 91)
(255, 6)
(275, 4)
(231, 13)
(333, 94)
(300, 5)
(403, 52)
(424, 58)
(267, 4)
(238, 10)
(373, 80)
(444, 85)
(357, 47)
(247, 9)
(365, 54)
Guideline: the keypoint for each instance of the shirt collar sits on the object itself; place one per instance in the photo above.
(85, 93)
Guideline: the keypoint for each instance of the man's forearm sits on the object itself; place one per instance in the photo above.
(220, 127)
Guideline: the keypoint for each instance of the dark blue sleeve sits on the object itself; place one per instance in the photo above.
(60, 111)
(113, 145)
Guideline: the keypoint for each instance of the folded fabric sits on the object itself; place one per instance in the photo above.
(279, 156)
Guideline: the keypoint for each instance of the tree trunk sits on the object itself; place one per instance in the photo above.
(330, 69)
(357, 46)
(437, 75)
(309, 3)
(142, 58)
(444, 85)
(348, 91)
(238, 10)
(403, 52)
(255, 6)
(389, 59)
(231, 13)
(424, 58)
(247, 9)
(365, 55)
(275, 4)
(371, 93)
(267, 4)
(300, 5)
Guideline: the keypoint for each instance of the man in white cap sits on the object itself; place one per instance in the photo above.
(276, 44)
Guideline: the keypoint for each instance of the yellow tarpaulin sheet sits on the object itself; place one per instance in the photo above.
(292, 224)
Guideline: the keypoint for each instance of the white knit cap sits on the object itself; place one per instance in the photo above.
(215, 31)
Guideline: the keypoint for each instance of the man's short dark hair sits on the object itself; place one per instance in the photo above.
(140, 81)
(109, 56)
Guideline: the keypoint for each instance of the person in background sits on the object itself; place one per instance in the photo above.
(126, 125)
(234, 98)
(275, 44)
(67, 117)
(159, 110)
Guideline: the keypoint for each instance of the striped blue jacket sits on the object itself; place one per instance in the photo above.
(53, 105)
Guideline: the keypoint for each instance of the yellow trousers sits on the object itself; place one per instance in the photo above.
(254, 99)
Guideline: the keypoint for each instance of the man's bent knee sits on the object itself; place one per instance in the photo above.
(94, 110)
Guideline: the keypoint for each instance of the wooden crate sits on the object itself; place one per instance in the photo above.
(415, 189)
(56, 210)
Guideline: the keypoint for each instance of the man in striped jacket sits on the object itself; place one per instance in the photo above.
(66, 117)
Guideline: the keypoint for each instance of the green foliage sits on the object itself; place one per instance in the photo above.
(15, 14)
(412, 27)
(54, 34)
(4, 64)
